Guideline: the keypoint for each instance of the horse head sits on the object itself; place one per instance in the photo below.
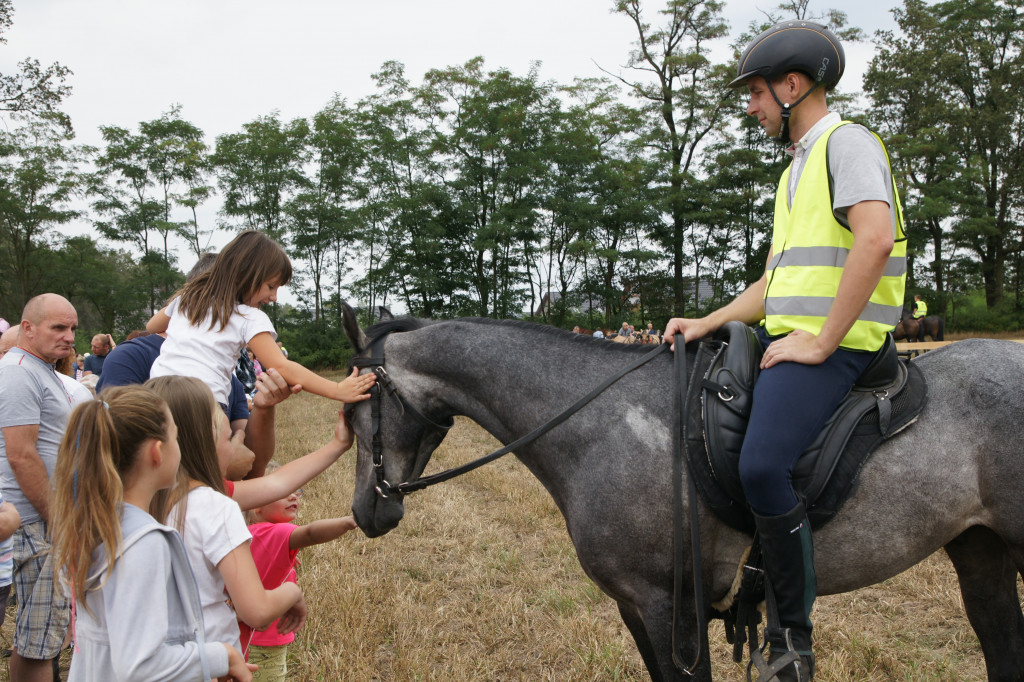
(395, 439)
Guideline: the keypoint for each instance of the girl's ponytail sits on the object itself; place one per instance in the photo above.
(99, 449)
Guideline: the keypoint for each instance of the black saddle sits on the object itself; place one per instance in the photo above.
(887, 398)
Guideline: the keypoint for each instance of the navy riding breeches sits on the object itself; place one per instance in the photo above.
(790, 406)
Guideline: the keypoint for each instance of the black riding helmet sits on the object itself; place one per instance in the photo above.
(802, 46)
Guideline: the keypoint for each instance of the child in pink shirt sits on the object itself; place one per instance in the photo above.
(276, 542)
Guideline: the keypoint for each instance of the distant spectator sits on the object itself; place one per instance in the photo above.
(624, 329)
(102, 344)
(576, 329)
(8, 340)
(255, 363)
(284, 351)
(598, 334)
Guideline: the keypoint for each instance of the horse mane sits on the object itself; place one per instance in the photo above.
(398, 324)
(405, 324)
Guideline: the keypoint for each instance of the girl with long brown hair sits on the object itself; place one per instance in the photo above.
(211, 523)
(217, 313)
(116, 454)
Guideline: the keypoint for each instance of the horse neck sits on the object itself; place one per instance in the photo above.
(509, 379)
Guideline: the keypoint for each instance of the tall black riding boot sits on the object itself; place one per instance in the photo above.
(788, 551)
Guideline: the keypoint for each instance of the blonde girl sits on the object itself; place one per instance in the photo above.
(217, 313)
(276, 541)
(116, 454)
(211, 524)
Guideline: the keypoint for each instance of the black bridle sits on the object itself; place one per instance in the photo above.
(384, 489)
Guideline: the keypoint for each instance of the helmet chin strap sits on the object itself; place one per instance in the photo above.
(787, 111)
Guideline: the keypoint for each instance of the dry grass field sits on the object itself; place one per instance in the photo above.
(480, 582)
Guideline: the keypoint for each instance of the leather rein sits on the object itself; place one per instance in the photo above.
(384, 384)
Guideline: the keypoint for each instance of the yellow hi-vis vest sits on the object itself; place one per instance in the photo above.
(810, 248)
(922, 309)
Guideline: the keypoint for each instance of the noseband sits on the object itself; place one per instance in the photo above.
(382, 385)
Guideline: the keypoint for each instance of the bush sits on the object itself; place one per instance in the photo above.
(316, 346)
(971, 314)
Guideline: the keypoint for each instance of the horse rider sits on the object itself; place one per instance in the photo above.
(920, 308)
(831, 291)
(919, 311)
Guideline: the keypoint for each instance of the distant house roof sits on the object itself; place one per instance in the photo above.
(705, 290)
(553, 297)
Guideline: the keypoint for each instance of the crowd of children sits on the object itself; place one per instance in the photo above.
(143, 511)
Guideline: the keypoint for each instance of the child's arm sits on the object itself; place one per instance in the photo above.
(158, 323)
(319, 532)
(257, 606)
(256, 492)
(10, 520)
(351, 390)
(238, 669)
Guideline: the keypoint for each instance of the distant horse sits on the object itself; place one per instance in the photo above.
(915, 329)
(608, 469)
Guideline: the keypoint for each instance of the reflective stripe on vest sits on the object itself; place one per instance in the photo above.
(810, 248)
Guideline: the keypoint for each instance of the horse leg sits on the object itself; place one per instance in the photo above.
(988, 584)
(652, 632)
(635, 624)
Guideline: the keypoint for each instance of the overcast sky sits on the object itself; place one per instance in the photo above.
(227, 63)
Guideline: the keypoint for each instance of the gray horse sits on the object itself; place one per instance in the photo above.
(608, 470)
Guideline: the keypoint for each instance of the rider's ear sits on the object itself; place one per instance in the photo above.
(352, 330)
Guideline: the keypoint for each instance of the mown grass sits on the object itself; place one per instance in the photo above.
(481, 582)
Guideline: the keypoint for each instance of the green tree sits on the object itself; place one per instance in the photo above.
(123, 186)
(684, 93)
(258, 169)
(33, 89)
(948, 89)
(490, 134)
(175, 155)
(321, 214)
(108, 287)
(742, 174)
(410, 234)
(40, 176)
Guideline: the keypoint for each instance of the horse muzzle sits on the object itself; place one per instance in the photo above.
(376, 515)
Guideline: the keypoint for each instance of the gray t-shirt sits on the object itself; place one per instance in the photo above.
(31, 393)
(860, 169)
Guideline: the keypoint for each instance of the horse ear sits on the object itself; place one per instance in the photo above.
(352, 330)
(384, 314)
